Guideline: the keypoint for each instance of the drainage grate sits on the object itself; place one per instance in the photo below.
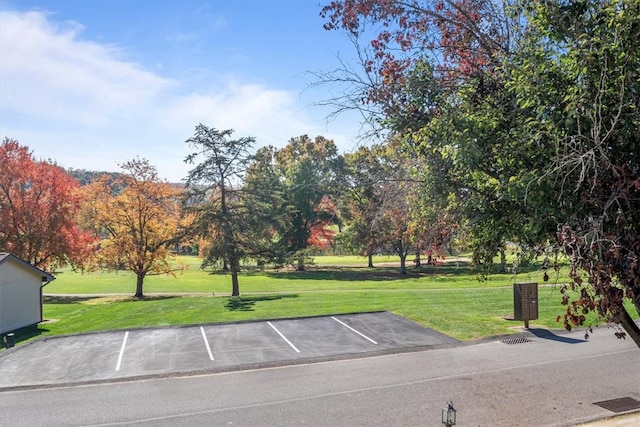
(622, 404)
(520, 340)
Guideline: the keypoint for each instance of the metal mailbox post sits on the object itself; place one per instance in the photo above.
(525, 302)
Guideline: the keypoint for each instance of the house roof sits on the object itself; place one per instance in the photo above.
(46, 277)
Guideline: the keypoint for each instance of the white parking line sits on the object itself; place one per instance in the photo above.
(124, 343)
(284, 338)
(359, 333)
(206, 343)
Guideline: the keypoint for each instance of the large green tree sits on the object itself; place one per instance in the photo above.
(531, 112)
(475, 152)
(300, 184)
(265, 195)
(577, 72)
(433, 69)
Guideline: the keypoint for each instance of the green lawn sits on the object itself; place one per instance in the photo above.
(448, 298)
(328, 274)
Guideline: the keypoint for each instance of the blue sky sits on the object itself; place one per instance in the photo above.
(92, 84)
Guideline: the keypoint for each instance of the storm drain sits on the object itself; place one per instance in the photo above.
(519, 340)
(622, 404)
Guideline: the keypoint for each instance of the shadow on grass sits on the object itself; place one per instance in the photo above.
(88, 299)
(381, 272)
(148, 298)
(65, 299)
(348, 274)
(248, 303)
(26, 333)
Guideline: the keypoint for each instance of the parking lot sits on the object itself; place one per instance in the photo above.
(207, 348)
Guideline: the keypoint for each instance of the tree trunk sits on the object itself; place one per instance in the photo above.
(139, 283)
(418, 261)
(503, 261)
(235, 268)
(403, 263)
(630, 327)
(235, 286)
(370, 256)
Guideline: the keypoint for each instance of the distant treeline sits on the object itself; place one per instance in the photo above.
(85, 177)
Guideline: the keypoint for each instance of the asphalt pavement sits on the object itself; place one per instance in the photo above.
(137, 353)
(362, 369)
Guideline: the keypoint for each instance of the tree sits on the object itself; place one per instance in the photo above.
(138, 219)
(264, 195)
(476, 154)
(393, 220)
(537, 127)
(378, 202)
(38, 206)
(462, 39)
(85, 177)
(297, 185)
(578, 72)
(364, 174)
(434, 222)
(433, 70)
(214, 192)
(309, 171)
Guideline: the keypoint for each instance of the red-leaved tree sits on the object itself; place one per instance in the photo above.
(39, 202)
(463, 38)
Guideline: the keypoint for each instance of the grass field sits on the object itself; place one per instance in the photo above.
(448, 298)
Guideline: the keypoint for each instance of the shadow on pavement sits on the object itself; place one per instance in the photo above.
(548, 335)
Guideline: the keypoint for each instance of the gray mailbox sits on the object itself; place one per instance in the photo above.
(525, 302)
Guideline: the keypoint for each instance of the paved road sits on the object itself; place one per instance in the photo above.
(540, 379)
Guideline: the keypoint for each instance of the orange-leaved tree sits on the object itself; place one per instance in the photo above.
(138, 218)
(39, 202)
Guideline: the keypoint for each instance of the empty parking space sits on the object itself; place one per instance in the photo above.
(61, 360)
(142, 352)
(246, 343)
(163, 350)
(391, 331)
(323, 336)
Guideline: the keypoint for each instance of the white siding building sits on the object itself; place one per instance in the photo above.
(20, 293)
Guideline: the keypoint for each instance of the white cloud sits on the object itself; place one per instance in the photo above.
(80, 103)
(48, 72)
(251, 110)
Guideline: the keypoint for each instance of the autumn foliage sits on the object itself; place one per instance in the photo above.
(463, 37)
(39, 203)
(138, 219)
(321, 234)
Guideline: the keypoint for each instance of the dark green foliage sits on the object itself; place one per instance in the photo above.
(214, 196)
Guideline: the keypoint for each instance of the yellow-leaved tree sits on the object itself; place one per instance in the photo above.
(138, 219)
